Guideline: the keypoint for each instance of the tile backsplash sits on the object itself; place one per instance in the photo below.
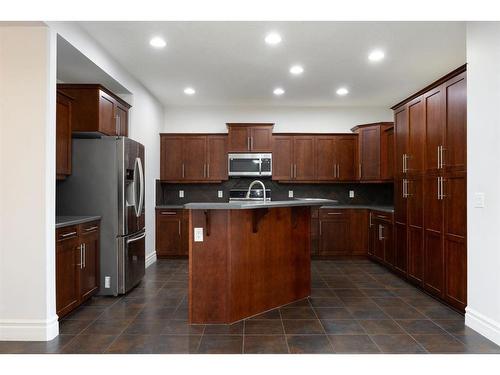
(364, 193)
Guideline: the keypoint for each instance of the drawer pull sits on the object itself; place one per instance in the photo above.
(168, 213)
(67, 234)
(382, 217)
(334, 213)
(91, 228)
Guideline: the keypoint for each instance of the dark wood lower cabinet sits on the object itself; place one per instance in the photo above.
(172, 237)
(77, 265)
(380, 229)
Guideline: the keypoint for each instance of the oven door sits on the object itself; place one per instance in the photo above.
(244, 164)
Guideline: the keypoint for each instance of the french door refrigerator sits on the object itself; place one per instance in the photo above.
(108, 180)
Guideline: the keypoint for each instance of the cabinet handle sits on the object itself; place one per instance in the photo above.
(382, 217)
(84, 256)
(179, 228)
(183, 170)
(291, 171)
(91, 228)
(439, 188)
(338, 170)
(439, 157)
(295, 170)
(370, 216)
(81, 256)
(67, 234)
(251, 143)
(442, 157)
(334, 213)
(334, 170)
(208, 170)
(168, 213)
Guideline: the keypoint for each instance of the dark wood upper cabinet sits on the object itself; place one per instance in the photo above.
(63, 136)
(375, 152)
(401, 140)
(304, 158)
(217, 157)
(387, 164)
(326, 165)
(96, 109)
(282, 157)
(193, 157)
(346, 157)
(416, 136)
(244, 137)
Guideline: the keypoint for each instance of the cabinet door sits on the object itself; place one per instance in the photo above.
(325, 158)
(217, 158)
(369, 149)
(194, 158)
(455, 239)
(63, 136)
(378, 246)
(282, 157)
(171, 158)
(89, 272)
(304, 158)
(372, 234)
(169, 233)
(400, 202)
(334, 236)
(454, 153)
(415, 228)
(261, 138)
(416, 135)
(401, 247)
(121, 114)
(239, 138)
(67, 270)
(434, 102)
(346, 156)
(433, 236)
(387, 154)
(314, 231)
(401, 138)
(389, 255)
(107, 120)
(359, 236)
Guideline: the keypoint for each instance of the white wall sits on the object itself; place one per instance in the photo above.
(287, 119)
(483, 175)
(27, 170)
(146, 116)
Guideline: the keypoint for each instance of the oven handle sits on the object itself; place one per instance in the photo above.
(136, 238)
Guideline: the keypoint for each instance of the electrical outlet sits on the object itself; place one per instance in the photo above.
(220, 194)
(351, 193)
(181, 193)
(290, 193)
(198, 234)
(107, 282)
(479, 200)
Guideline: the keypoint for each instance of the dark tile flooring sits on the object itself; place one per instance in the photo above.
(356, 306)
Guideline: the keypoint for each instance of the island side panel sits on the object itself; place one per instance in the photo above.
(271, 267)
(208, 281)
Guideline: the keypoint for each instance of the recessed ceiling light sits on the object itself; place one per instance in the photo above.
(157, 42)
(296, 70)
(278, 91)
(189, 91)
(376, 55)
(342, 91)
(273, 38)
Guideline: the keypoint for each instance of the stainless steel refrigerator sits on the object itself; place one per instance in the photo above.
(108, 180)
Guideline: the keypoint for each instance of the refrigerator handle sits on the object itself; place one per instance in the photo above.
(139, 206)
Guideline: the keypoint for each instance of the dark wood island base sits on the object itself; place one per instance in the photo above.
(249, 261)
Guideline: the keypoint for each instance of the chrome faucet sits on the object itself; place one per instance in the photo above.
(252, 184)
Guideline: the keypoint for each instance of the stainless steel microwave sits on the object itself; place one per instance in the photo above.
(250, 164)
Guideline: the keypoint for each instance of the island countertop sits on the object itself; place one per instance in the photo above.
(245, 205)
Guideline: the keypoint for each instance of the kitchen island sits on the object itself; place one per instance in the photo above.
(247, 257)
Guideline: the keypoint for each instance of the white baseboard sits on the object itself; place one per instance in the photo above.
(487, 327)
(29, 329)
(150, 259)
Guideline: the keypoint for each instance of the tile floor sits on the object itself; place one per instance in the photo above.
(356, 306)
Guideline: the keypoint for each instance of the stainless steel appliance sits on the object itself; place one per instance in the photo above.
(256, 194)
(108, 180)
(250, 164)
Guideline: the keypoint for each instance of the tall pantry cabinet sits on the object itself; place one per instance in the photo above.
(430, 189)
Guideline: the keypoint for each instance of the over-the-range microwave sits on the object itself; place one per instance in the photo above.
(252, 164)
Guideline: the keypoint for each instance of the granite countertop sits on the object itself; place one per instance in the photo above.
(361, 206)
(170, 207)
(244, 205)
(64, 221)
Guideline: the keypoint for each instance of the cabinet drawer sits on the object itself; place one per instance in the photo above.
(92, 226)
(333, 213)
(384, 216)
(169, 213)
(66, 233)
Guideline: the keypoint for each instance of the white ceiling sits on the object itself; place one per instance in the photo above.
(228, 63)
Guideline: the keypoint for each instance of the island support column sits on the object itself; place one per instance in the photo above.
(250, 261)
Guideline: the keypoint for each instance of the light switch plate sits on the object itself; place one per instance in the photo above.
(351, 193)
(181, 193)
(479, 200)
(198, 234)
(290, 193)
(220, 194)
